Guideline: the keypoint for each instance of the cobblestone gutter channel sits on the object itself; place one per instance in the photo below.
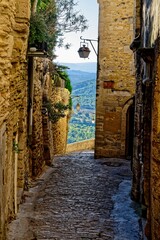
(79, 198)
(125, 214)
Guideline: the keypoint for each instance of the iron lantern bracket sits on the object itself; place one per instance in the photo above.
(90, 40)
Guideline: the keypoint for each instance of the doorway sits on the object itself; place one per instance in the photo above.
(129, 132)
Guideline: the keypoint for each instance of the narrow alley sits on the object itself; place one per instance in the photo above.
(79, 197)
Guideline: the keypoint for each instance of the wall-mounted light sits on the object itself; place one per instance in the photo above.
(93, 118)
(78, 107)
(84, 50)
(78, 104)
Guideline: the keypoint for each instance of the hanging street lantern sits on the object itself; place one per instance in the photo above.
(84, 51)
(93, 118)
(78, 107)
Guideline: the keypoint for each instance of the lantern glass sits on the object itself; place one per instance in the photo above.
(84, 52)
(78, 107)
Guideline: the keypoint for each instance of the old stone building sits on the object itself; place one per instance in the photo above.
(127, 108)
(14, 30)
(127, 121)
(26, 132)
(46, 138)
(146, 178)
(115, 80)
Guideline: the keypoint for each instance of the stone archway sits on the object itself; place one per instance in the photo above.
(127, 128)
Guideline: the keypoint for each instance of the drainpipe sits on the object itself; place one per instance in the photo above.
(31, 94)
(15, 175)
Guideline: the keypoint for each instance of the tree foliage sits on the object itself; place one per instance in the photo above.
(38, 29)
(69, 20)
(52, 18)
(55, 111)
(43, 23)
(61, 70)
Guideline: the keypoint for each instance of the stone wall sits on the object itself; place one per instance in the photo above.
(14, 29)
(155, 164)
(27, 137)
(48, 138)
(60, 128)
(116, 80)
(146, 179)
(36, 146)
(83, 145)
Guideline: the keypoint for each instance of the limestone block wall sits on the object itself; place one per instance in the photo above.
(116, 80)
(60, 128)
(146, 150)
(137, 17)
(37, 147)
(14, 29)
(21, 157)
(48, 138)
(40, 138)
(155, 165)
(79, 146)
(48, 143)
(48, 90)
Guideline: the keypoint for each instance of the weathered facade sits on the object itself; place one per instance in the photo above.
(46, 138)
(119, 110)
(14, 30)
(115, 80)
(60, 128)
(26, 132)
(146, 178)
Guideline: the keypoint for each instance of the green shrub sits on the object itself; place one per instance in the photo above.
(38, 29)
(55, 111)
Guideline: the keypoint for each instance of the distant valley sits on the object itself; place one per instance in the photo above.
(82, 123)
(84, 67)
(78, 76)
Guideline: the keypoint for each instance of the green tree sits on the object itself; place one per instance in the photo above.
(69, 20)
(50, 19)
(61, 70)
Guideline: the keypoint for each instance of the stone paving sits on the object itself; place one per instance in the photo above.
(79, 198)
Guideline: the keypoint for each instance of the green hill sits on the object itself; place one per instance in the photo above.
(85, 67)
(78, 76)
(82, 123)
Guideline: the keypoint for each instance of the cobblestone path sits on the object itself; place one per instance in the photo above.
(81, 198)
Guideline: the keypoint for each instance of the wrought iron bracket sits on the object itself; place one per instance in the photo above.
(90, 40)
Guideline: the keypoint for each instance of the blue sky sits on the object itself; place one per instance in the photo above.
(89, 8)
